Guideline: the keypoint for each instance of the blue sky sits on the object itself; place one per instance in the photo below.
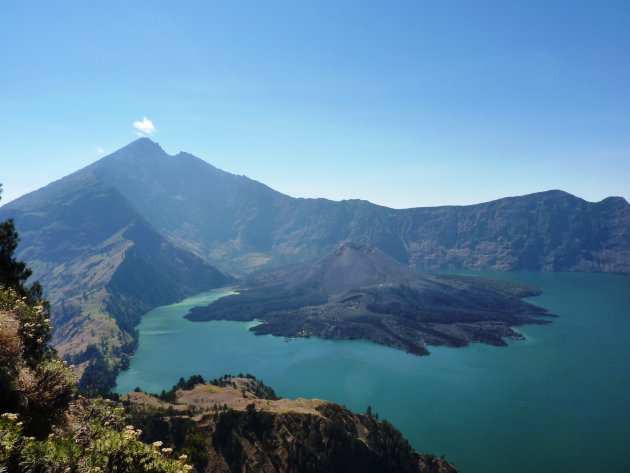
(403, 103)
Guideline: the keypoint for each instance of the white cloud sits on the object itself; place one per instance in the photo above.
(144, 127)
(100, 151)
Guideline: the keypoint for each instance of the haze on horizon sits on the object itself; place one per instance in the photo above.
(413, 104)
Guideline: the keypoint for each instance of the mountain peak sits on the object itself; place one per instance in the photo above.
(141, 151)
(557, 194)
(353, 265)
(142, 145)
(615, 200)
(352, 246)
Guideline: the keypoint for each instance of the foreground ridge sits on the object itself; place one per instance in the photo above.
(243, 426)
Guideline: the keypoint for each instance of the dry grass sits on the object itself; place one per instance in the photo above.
(93, 326)
(237, 397)
(147, 400)
(207, 397)
(10, 341)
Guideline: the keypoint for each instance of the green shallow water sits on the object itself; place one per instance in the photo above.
(557, 402)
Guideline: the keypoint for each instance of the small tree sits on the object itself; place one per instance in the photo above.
(13, 273)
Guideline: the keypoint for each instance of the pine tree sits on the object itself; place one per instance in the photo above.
(13, 273)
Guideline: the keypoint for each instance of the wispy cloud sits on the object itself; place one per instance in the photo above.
(100, 151)
(144, 127)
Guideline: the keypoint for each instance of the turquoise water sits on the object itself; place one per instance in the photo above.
(557, 402)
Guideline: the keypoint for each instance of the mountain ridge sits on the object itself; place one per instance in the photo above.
(155, 146)
(241, 224)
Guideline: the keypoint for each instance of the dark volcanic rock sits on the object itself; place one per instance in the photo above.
(359, 292)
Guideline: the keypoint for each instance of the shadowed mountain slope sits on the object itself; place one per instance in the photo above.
(102, 265)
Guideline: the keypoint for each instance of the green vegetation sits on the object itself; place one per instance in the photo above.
(169, 396)
(100, 442)
(14, 273)
(510, 288)
(171, 429)
(258, 388)
(387, 450)
(33, 382)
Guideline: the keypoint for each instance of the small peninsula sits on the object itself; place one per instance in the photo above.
(358, 292)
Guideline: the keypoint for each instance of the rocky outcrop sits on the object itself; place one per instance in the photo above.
(244, 432)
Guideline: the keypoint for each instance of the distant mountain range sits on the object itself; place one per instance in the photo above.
(240, 225)
(140, 228)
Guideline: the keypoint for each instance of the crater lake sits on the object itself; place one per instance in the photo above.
(557, 401)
